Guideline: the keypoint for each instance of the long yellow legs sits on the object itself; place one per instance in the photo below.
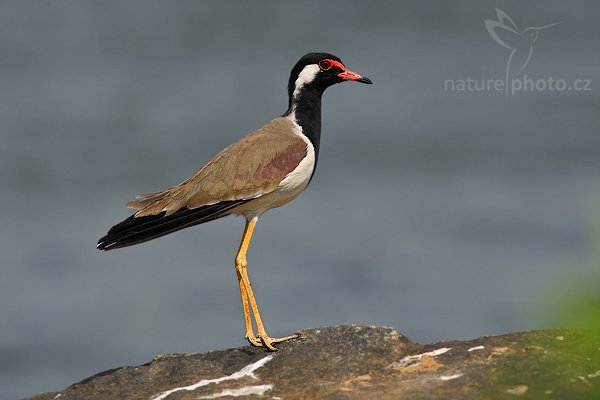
(248, 300)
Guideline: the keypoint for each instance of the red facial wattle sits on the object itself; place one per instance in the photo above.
(346, 74)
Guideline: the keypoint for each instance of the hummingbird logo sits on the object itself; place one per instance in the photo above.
(520, 42)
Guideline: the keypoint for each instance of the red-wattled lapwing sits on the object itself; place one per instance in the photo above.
(263, 170)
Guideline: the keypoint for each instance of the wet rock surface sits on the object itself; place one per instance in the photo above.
(364, 362)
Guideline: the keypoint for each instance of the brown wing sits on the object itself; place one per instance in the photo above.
(249, 168)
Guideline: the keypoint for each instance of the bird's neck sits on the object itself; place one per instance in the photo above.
(305, 109)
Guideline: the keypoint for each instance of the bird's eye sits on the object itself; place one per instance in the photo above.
(324, 65)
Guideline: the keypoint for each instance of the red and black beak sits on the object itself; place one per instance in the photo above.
(348, 75)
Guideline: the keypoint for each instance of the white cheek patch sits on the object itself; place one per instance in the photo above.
(306, 76)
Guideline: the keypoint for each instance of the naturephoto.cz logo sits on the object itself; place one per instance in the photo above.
(519, 45)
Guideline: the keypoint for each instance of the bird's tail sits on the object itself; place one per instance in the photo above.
(136, 230)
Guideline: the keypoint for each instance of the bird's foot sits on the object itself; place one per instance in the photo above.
(253, 340)
(268, 341)
(264, 340)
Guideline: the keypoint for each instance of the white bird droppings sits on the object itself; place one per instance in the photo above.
(245, 391)
(450, 377)
(436, 352)
(405, 361)
(476, 348)
(248, 370)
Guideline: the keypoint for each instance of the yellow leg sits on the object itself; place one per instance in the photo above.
(248, 321)
(248, 300)
(240, 265)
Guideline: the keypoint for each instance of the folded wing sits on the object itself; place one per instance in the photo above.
(249, 168)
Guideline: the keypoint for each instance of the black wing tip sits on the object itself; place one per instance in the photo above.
(108, 242)
(115, 236)
(135, 230)
(105, 245)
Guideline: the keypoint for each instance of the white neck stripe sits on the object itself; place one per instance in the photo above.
(306, 76)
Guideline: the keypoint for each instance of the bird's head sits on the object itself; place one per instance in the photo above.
(317, 71)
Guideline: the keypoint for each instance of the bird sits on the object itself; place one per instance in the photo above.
(263, 170)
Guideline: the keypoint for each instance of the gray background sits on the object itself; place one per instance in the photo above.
(446, 215)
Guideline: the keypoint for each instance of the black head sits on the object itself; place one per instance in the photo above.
(318, 71)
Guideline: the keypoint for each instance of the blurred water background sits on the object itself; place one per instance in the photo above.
(444, 214)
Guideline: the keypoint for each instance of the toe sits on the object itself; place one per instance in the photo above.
(268, 341)
(254, 340)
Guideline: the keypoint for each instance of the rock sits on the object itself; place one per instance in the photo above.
(364, 362)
